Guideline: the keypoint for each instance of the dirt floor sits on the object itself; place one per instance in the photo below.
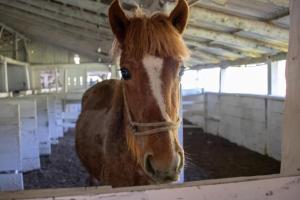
(207, 157)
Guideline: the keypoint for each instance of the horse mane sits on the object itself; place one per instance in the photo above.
(151, 35)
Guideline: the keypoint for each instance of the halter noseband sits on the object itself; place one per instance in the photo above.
(159, 126)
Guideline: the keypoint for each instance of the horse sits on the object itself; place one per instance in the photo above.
(127, 131)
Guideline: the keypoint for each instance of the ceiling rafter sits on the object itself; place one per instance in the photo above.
(244, 61)
(226, 52)
(252, 26)
(229, 39)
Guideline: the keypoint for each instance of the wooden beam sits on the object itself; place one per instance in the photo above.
(270, 187)
(15, 47)
(1, 31)
(5, 74)
(71, 12)
(12, 61)
(48, 14)
(234, 49)
(283, 3)
(248, 25)
(217, 51)
(245, 61)
(229, 39)
(290, 159)
(206, 56)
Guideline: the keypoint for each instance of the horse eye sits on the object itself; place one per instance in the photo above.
(125, 74)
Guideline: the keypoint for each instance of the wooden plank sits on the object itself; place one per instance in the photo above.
(229, 39)
(245, 61)
(253, 26)
(246, 188)
(11, 182)
(28, 123)
(291, 149)
(51, 116)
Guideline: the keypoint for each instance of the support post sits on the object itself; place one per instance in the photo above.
(290, 161)
(1, 31)
(269, 63)
(56, 79)
(28, 85)
(15, 47)
(27, 54)
(5, 72)
(221, 79)
(66, 81)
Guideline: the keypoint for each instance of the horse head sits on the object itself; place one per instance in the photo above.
(152, 50)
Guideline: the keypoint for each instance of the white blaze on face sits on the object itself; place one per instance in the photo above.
(153, 66)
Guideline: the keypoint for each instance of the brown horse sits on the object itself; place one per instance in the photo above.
(127, 132)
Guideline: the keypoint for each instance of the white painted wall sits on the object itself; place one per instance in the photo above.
(248, 120)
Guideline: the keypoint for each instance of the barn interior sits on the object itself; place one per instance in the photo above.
(233, 86)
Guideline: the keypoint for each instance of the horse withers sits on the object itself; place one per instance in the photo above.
(127, 132)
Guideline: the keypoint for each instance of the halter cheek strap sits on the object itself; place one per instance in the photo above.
(156, 126)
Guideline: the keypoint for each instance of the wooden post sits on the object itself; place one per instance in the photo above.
(290, 161)
(27, 58)
(28, 86)
(1, 31)
(15, 47)
(270, 86)
(5, 73)
(221, 79)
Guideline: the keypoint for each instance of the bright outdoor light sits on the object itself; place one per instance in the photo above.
(76, 59)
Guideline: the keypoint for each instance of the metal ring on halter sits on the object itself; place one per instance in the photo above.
(160, 126)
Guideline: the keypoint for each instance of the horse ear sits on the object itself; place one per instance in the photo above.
(118, 21)
(179, 16)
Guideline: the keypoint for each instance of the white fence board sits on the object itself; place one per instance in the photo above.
(11, 182)
(43, 124)
(10, 148)
(51, 119)
(29, 137)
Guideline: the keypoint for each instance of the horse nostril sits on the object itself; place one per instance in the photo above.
(148, 165)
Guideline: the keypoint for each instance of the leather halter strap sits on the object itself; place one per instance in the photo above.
(157, 126)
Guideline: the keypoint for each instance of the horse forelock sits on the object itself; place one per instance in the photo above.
(151, 35)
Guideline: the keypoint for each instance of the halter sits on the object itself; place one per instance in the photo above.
(157, 126)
